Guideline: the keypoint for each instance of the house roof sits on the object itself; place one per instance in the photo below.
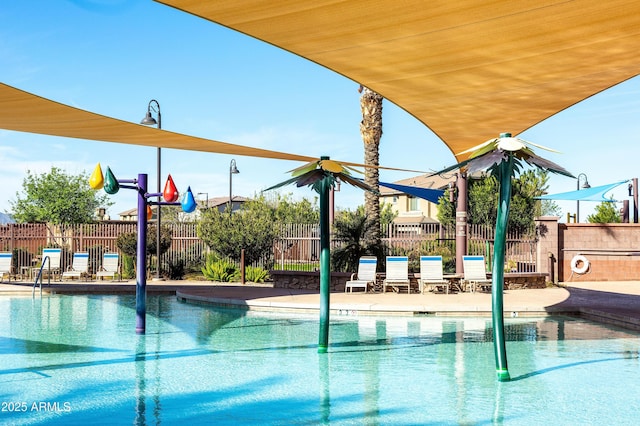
(467, 69)
(420, 181)
(213, 202)
(219, 201)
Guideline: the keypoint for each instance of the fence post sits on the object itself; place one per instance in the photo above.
(242, 271)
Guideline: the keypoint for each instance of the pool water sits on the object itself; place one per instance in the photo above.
(77, 360)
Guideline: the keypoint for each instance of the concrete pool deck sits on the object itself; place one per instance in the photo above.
(610, 302)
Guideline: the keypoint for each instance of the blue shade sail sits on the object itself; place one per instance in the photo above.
(425, 193)
(597, 193)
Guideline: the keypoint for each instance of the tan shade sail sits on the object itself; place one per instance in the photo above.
(468, 69)
(25, 112)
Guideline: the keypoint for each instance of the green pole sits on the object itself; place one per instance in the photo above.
(325, 264)
(497, 277)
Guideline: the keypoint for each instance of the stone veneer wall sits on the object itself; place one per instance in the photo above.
(311, 280)
(307, 280)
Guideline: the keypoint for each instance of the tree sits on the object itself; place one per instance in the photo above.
(127, 242)
(57, 198)
(351, 230)
(371, 131)
(605, 213)
(288, 210)
(252, 227)
(483, 201)
(386, 214)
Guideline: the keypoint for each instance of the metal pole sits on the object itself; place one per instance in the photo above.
(584, 185)
(578, 201)
(325, 265)
(159, 221)
(230, 196)
(147, 121)
(635, 200)
(159, 217)
(141, 260)
(461, 220)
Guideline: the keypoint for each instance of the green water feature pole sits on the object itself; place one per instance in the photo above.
(325, 263)
(497, 278)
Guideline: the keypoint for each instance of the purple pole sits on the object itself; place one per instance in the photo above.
(141, 253)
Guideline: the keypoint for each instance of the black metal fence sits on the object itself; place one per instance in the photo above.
(296, 248)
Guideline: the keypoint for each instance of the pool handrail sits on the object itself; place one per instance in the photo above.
(45, 260)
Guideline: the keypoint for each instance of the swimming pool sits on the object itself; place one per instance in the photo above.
(76, 360)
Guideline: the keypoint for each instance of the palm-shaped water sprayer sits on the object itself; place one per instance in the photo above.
(503, 157)
(321, 176)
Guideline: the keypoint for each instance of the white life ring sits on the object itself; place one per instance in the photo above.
(579, 259)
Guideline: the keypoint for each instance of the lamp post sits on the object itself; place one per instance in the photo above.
(148, 120)
(207, 202)
(585, 185)
(233, 170)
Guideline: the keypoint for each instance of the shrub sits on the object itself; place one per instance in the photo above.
(176, 269)
(128, 267)
(255, 274)
(222, 270)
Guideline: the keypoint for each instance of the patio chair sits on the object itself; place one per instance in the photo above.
(6, 265)
(431, 275)
(79, 267)
(50, 262)
(366, 274)
(397, 274)
(475, 273)
(109, 266)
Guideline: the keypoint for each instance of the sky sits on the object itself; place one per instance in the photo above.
(112, 57)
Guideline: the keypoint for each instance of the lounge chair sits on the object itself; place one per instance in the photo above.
(109, 266)
(51, 262)
(431, 276)
(475, 273)
(79, 267)
(6, 265)
(397, 274)
(366, 274)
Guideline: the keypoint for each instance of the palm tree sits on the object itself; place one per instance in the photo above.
(371, 131)
(351, 230)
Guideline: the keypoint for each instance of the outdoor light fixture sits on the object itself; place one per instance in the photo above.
(148, 120)
(233, 170)
(585, 185)
(207, 194)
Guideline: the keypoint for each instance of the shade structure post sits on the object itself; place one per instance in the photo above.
(497, 277)
(461, 219)
(325, 264)
(141, 261)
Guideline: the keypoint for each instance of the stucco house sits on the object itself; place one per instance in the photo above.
(412, 210)
(219, 203)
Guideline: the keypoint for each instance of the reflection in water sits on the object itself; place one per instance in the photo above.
(498, 415)
(219, 366)
(141, 384)
(325, 385)
(160, 308)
